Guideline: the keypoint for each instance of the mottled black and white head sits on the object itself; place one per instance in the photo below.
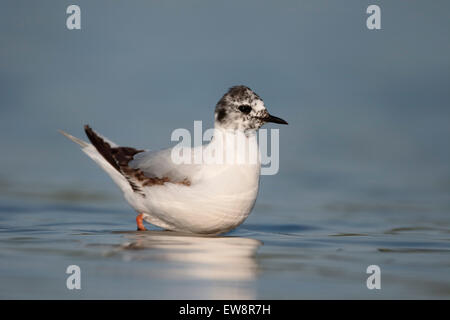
(242, 109)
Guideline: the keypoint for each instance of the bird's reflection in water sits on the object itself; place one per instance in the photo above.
(199, 257)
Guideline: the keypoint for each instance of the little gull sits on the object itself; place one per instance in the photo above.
(187, 196)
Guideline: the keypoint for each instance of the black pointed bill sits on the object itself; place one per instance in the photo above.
(270, 118)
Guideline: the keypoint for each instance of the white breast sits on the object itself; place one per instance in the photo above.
(219, 198)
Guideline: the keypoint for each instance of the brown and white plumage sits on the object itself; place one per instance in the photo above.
(189, 197)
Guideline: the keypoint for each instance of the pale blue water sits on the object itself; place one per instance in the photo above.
(364, 164)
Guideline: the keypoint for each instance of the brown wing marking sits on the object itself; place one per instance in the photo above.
(119, 158)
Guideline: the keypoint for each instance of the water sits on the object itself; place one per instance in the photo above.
(275, 254)
(364, 164)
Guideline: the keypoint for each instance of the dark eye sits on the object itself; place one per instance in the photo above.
(245, 108)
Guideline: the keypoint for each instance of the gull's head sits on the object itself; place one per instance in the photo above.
(242, 109)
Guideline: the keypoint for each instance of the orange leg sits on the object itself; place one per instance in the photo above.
(140, 222)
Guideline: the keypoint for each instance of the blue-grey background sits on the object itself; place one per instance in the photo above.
(364, 163)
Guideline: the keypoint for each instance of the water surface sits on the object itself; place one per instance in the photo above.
(364, 173)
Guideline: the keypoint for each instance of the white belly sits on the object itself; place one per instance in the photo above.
(219, 198)
(220, 202)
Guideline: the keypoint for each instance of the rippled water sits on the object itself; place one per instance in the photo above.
(271, 256)
(364, 173)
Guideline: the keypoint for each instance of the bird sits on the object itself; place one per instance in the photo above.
(189, 196)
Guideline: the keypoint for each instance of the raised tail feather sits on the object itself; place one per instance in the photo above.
(102, 147)
(74, 139)
(103, 153)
